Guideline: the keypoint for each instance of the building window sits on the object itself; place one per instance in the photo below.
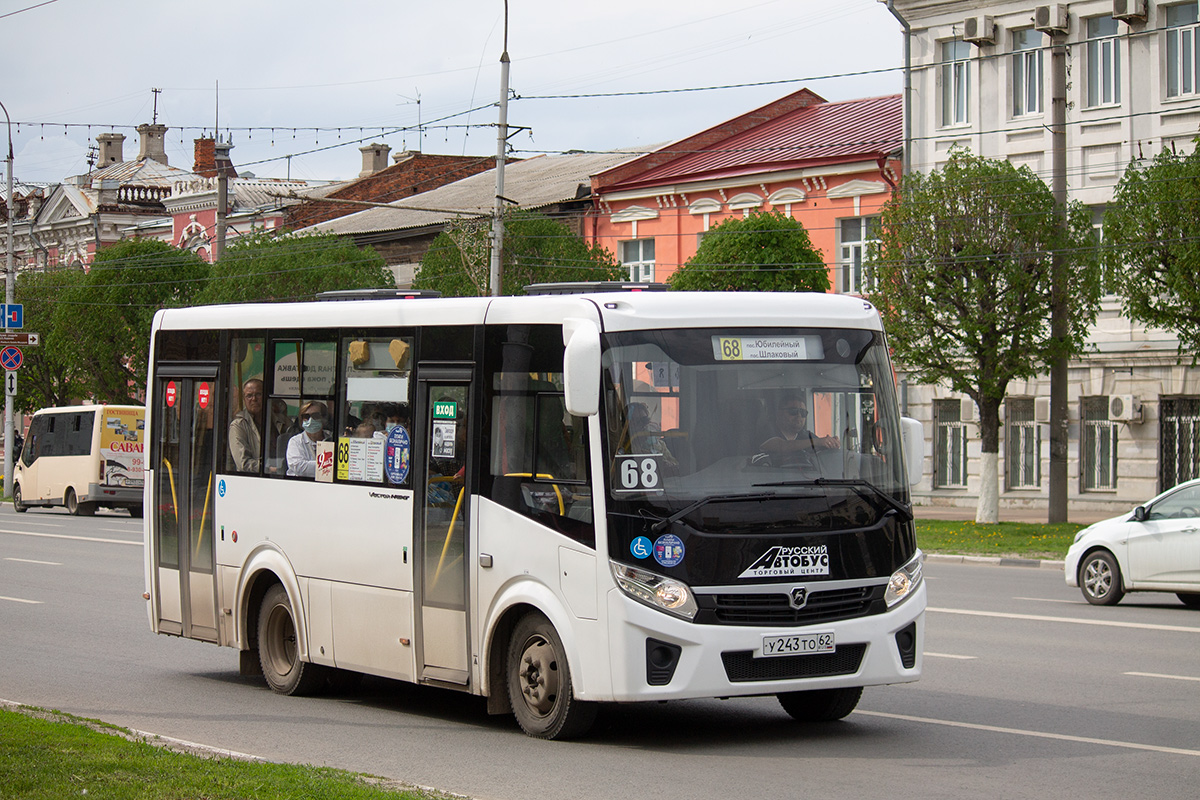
(1103, 62)
(1023, 440)
(1097, 446)
(950, 449)
(1178, 441)
(859, 238)
(1181, 50)
(638, 258)
(1109, 280)
(1027, 79)
(956, 83)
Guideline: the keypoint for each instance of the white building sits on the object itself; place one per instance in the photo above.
(980, 76)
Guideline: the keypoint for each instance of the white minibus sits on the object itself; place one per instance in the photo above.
(82, 458)
(552, 501)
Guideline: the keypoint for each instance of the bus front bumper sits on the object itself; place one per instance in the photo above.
(727, 660)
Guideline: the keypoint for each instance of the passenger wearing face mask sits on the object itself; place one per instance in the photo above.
(302, 449)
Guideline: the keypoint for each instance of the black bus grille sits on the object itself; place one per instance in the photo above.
(741, 666)
(775, 609)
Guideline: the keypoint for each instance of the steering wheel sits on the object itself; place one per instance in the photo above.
(804, 459)
(1188, 511)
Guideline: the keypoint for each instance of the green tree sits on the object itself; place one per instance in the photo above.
(113, 308)
(1152, 243)
(964, 285)
(763, 252)
(537, 249)
(261, 268)
(51, 375)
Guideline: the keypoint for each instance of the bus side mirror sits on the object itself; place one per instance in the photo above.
(914, 448)
(581, 366)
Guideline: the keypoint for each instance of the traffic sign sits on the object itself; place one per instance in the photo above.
(11, 357)
(19, 339)
(14, 315)
(10, 383)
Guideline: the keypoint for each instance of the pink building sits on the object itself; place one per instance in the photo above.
(830, 166)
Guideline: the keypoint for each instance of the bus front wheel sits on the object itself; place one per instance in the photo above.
(18, 506)
(820, 705)
(539, 683)
(278, 648)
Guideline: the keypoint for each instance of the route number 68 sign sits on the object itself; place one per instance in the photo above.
(637, 473)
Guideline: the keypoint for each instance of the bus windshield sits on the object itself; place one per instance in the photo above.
(717, 415)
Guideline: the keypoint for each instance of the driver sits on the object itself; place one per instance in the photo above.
(790, 433)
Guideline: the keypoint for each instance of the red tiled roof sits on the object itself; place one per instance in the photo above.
(817, 134)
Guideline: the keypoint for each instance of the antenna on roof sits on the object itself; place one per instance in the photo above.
(156, 92)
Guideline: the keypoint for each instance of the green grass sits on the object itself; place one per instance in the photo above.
(1021, 539)
(52, 755)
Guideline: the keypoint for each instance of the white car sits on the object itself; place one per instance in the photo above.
(1154, 548)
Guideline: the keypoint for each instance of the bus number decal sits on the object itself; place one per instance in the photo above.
(637, 473)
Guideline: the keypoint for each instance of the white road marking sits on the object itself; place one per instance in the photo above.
(949, 655)
(1168, 677)
(21, 600)
(34, 561)
(1050, 600)
(1036, 734)
(137, 543)
(1040, 618)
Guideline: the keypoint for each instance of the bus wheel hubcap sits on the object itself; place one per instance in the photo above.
(539, 676)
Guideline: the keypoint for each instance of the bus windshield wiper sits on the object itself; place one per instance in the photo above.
(857, 484)
(716, 498)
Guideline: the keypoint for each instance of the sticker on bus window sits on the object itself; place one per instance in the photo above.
(637, 473)
(396, 457)
(668, 550)
(443, 438)
(325, 461)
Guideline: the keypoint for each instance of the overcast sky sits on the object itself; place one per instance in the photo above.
(361, 65)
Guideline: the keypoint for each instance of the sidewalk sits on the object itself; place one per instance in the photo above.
(1078, 516)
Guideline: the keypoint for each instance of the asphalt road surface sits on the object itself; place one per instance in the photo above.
(1027, 692)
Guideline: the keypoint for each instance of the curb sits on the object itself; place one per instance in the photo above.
(996, 561)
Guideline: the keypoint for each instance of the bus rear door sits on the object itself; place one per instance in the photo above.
(182, 497)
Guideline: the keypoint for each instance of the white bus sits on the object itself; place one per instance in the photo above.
(82, 458)
(551, 501)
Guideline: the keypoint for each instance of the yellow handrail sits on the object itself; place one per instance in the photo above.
(203, 516)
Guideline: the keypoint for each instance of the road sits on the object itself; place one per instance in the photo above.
(1027, 692)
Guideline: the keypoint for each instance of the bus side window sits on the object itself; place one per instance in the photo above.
(246, 427)
(301, 371)
(537, 451)
(375, 401)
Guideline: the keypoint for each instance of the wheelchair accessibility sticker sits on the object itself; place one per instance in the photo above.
(641, 547)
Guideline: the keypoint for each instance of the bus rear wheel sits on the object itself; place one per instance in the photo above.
(539, 683)
(76, 508)
(279, 651)
(820, 705)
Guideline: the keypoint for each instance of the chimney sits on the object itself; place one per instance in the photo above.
(375, 157)
(111, 145)
(205, 158)
(153, 143)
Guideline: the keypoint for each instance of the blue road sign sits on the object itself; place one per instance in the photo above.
(14, 315)
(11, 358)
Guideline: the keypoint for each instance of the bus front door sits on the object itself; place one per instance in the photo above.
(444, 526)
(183, 504)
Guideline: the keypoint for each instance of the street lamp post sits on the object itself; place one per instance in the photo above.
(9, 289)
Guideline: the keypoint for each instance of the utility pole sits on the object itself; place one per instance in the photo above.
(1059, 327)
(497, 270)
(10, 281)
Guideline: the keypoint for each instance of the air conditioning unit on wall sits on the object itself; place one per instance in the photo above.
(1124, 408)
(1051, 18)
(1041, 409)
(979, 30)
(1129, 10)
(966, 411)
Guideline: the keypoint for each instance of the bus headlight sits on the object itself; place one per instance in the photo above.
(904, 581)
(656, 591)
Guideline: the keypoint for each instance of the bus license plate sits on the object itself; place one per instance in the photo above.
(798, 644)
